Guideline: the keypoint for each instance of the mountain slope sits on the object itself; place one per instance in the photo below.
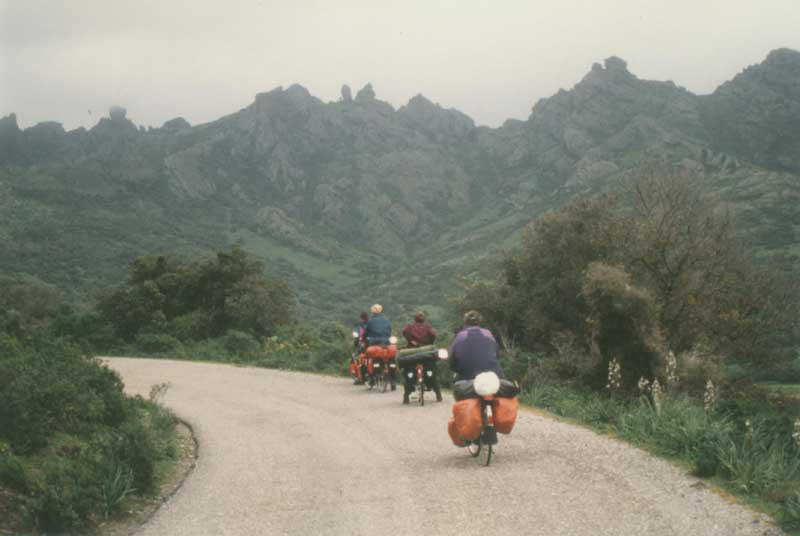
(355, 202)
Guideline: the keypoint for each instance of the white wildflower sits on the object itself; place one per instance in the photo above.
(796, 434)
(657, 393)
(643, 385)
(710, 397)
(748, 432)
(614, 376)
(672, 372)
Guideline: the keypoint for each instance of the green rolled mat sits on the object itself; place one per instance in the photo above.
(417, 350)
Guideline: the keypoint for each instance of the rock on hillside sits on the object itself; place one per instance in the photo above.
(757, 114)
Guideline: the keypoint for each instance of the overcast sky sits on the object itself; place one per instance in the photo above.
(69, 60)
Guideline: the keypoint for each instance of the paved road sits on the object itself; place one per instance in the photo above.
(288, 453)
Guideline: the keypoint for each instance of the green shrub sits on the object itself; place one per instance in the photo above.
(12, 471)
(191, 326)
(622, 324)
(52, 388)
(240, 343)
(71, 444)
(115, 487)
(137, 450)
(759, 460)
(790, 513)
(67, 495)
(158, 343)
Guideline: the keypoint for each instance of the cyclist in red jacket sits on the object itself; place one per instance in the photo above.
(417, 334)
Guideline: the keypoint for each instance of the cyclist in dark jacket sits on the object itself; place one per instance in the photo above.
(474, 350)
(377, 332)
(378, 329)
(419, 334)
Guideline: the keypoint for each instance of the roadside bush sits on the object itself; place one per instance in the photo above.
(53, 388)
(240, 343)
(760, 461)
(66, 496)
(191, 326)
(136, 449)
(158, 343)
(199, 299)
(72, 446)
(622, 325)
(790, 516)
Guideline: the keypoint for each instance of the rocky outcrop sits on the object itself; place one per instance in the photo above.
(347, 94)
(179, 123)
(438, 124)
(757, 114)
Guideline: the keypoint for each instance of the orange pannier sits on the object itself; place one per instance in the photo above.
(451, 429)
(385, 353)
(375, 352)
(505, 414)
(467, 416)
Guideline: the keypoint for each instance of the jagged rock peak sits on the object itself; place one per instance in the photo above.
(117, 113)
(179, 123)
(298, 91)
(9, 122)
(47, 127)
(614, 71)
(783, 56)
(347, 94)
(366, 94)
(420, 100)
(615, 63)
(293, 97)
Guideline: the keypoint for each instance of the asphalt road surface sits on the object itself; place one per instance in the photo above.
(290, 453)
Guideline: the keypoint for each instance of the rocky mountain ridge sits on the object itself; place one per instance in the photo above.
(353, 194)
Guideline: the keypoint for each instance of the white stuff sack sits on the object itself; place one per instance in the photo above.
(486, 383)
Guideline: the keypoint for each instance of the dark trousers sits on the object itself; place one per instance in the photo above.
(432, 381)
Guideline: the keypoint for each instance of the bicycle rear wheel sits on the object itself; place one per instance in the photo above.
(421, 393)
(485, 454)
(382, 383)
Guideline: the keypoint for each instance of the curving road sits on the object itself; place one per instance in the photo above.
(289, 453)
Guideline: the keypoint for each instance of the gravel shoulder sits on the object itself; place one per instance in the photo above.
(291, 453)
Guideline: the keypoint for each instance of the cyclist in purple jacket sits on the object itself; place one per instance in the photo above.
(474, 350)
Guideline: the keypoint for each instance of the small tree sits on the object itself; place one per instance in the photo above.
(622, 324)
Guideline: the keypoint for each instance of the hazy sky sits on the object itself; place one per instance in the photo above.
(69, 60)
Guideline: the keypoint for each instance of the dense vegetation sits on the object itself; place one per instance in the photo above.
(643, 315)
(166, 299)
(632, 279)
(72, 445)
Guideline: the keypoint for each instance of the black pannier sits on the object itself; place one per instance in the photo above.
(464, 389)
(407, 358)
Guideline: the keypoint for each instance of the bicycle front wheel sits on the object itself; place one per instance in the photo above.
(421, 393)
